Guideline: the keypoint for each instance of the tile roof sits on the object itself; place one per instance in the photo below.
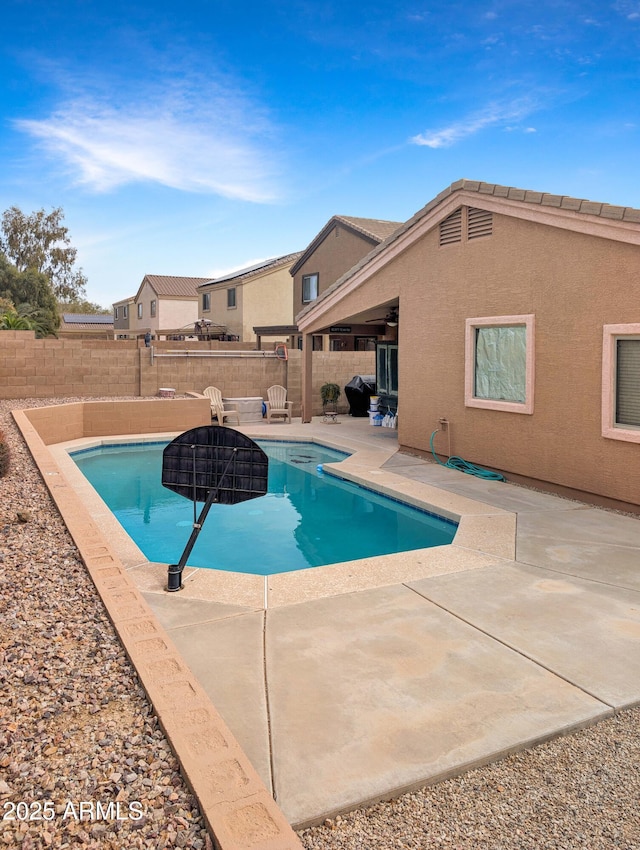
(179, 287)
(374, 230)
(527, 196)
(608, 212)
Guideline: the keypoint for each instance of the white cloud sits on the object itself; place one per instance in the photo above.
(629, 8)
(195, 138)
(494, 115)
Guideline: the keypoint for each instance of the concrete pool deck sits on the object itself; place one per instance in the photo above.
(355, 682)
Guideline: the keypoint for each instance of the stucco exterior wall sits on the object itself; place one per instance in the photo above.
(336, 254)
(175, 313)
(147, 295)
(219, 313)
(573, 283)
(267, 300)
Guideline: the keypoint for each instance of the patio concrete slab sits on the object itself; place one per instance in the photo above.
(591, 543)
(500, 494)
(381, 691)
(177, 610)
(227, 657)
(583, 631)
(353, 682)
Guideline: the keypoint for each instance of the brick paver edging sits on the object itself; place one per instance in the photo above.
(237, 807)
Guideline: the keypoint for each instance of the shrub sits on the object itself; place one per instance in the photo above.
(4, 456)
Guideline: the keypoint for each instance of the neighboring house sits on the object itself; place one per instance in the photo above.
(166, 303)
(518, 324)
(86, 326)
(258, 296)
(122, 315)
(341, 243)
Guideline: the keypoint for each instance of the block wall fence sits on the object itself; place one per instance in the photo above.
(63, 368)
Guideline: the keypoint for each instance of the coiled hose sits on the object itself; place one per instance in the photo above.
(464, 466)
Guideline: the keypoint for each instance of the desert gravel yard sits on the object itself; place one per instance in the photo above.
(84, 763)
(82, 760)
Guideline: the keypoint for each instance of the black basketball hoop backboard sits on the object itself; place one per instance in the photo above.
(212, 464)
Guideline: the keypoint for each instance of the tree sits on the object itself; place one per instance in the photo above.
(79, 305)
(25, 318)
(29, 293)
(40, 242)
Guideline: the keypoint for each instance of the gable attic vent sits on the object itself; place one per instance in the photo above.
(451, 228)
(479, 223)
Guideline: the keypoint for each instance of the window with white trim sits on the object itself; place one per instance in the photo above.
(309, 288)
(499, 363)
(621, 382)
(231, 298)
(139, 311)
(206, 301)
(125, 312)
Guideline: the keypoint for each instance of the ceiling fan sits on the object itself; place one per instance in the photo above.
(390, 319)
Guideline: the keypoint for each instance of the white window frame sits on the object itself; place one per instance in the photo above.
(309, 277)
(610, 430)
(470, 399)
(125, 312)
(206, 302)
(115, 314)
(140, 310)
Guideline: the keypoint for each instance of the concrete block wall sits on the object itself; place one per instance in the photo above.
(236, 376)
(339, 367)
(49, 368)
(45, 368)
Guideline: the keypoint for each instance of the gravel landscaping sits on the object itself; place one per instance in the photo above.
(84, 763)
(579, 791)
(82, 760)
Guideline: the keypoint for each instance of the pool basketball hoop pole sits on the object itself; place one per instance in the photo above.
(211, 464)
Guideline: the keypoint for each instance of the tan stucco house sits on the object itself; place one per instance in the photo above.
(519, 325)
(256, 296)
(123, 311)
(166, 303)
(342, 242)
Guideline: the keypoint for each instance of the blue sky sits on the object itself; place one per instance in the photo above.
(197, 137)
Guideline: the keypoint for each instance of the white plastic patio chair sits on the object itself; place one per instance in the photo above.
(218, 409)
(277, 404)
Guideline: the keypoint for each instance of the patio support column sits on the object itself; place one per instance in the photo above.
(307, 377)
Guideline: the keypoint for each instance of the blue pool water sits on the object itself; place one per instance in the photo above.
(307, 519)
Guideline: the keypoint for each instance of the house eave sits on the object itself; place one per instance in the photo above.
(605, 221)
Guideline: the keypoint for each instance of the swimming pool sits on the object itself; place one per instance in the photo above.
(307, 519)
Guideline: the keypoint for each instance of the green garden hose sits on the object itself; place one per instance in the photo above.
(464, 466)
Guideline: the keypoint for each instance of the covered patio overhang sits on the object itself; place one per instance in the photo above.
(279, 332)
(337, 309)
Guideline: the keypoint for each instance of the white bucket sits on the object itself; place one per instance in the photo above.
(373, 402)
(375, 418)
